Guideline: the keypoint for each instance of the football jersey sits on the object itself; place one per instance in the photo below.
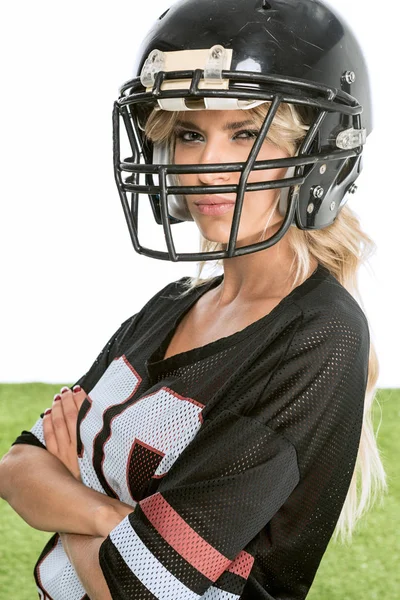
(235, 456)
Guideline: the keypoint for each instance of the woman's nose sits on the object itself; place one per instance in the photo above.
(212, 154)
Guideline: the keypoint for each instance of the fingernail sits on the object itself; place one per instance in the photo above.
(64, 389)
(47, 411)
(57, 397)
(76, 388)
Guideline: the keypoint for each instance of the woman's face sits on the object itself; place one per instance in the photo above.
(226, 136)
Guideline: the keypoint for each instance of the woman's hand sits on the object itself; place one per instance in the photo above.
(59, 427)
(60, 431)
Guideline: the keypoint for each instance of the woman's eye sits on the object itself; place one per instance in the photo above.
(247, 134)
(188, 136)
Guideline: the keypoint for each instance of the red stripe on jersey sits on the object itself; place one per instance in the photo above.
(184, 398)
(242, 564)
(178, 534)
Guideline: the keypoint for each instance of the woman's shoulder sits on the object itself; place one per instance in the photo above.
(325, 303)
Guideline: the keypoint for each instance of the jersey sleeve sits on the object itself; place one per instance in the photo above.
(193, 537)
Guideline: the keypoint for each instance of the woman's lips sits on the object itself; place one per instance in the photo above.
(215, 209)
(215, 199)
(214, 205)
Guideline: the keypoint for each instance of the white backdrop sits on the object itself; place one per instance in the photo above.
(69, 273)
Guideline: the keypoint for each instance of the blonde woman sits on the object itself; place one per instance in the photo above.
(215, 446)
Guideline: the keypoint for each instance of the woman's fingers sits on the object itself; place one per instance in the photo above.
(64, 414)
(79, 396)
(59, 428)
(48, 432)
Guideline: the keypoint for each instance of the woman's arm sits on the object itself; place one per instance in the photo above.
(83, 553)
(43, 486)
(47, 496)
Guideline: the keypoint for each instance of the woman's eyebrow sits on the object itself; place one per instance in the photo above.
(237, 125)
(227, 127)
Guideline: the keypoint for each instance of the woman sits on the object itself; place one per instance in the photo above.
(211, 450)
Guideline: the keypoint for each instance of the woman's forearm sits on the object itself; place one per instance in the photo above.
(83, 553)
(45, 494)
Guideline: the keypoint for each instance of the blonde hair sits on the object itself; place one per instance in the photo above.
(341, 248)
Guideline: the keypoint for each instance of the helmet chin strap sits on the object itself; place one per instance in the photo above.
(177, 205)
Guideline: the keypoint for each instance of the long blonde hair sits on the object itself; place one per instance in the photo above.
(341, 248)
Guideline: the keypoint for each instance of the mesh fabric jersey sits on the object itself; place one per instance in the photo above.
(236, 456)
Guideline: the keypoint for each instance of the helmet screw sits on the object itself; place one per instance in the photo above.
(217, 52)
(332, 206)
(349, 76)
(322, 169)
(318, 192)
(310, 208)
(353, 188)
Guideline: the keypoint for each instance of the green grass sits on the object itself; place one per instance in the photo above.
(368, 569)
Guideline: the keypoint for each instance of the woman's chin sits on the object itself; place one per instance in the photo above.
(219, 233)
(223, 240)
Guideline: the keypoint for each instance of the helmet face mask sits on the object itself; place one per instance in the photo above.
(177, 72)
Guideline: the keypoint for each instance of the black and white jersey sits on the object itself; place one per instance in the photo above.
(236, 457)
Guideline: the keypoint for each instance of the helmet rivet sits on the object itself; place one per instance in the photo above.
(353, 188)
(322, 169)
(332, 206)
(349, 76)
(217, 52)
(318, 191)
(310, 208)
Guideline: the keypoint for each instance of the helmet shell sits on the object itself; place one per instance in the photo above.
(303, 39)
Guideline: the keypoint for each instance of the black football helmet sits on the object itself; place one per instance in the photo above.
(236, 54)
